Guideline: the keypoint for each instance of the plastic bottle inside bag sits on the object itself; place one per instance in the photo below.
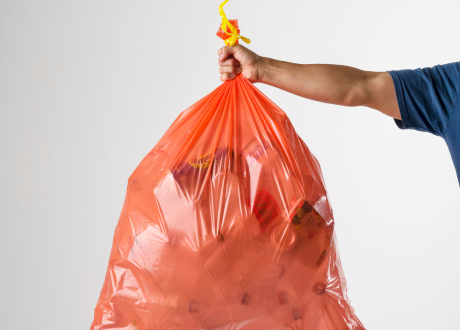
(225, 199)
(175, 205)
(284, 236)
(271, 186)
(244, 307)
(228, 291)
(228, 209)
(147, 247)
(180, 273)
(217, 261)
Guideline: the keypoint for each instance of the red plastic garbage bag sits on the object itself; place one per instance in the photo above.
(226, 225)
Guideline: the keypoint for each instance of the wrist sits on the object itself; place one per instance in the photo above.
(263, 69)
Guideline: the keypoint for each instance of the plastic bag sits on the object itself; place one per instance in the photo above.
(226, 225)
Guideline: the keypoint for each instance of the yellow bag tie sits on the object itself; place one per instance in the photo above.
(234, 36)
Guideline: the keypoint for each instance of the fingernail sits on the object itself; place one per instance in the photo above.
(232, 75)
(220, 58)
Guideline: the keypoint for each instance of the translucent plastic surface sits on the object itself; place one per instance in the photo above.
(226, 225)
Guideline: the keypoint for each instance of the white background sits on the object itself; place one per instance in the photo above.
(87, 88)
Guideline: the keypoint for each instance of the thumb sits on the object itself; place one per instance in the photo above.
(225, 51)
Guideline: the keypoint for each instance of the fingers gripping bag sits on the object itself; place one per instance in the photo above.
(226, 225)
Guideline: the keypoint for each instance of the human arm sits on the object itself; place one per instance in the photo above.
(335, 84)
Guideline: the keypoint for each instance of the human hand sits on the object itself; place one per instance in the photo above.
(238, 59)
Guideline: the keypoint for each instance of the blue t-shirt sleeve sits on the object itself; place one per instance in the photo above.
(426, 97)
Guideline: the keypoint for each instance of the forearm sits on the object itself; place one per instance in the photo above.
(334, 84)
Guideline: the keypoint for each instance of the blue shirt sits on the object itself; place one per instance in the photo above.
(429, 101)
